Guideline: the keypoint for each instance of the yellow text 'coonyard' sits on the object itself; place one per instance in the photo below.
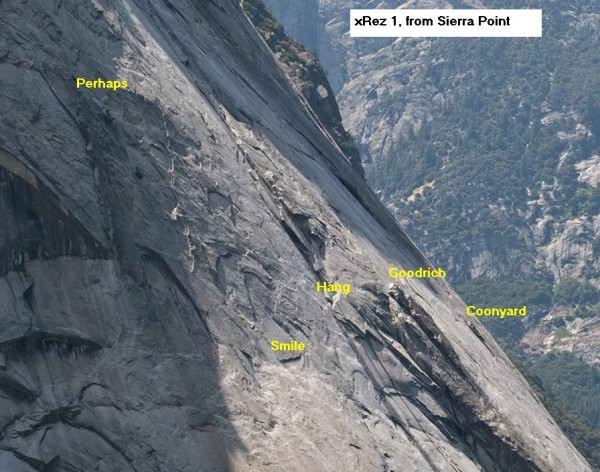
(500, 312)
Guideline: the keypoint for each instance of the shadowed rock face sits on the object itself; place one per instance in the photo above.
(156, 239)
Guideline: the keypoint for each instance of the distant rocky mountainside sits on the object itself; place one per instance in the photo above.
(307, 74)
(487, 151)
(158, 241)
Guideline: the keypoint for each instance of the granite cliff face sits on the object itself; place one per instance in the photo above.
(486, 151)
(302, 66)
(157, 238)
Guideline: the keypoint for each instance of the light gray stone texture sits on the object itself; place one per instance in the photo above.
(156, 239)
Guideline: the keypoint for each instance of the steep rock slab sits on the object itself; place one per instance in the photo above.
(159, 237)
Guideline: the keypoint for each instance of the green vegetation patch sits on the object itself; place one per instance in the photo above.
(555, 389)
(483, 291)
(561, 333)
(569, 291)
(572, 380)
(495, 144)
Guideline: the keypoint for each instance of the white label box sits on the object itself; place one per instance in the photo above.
(445, 23)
